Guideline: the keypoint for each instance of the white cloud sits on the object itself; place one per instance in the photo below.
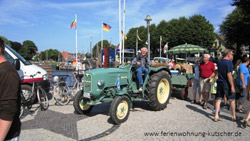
(15, 12)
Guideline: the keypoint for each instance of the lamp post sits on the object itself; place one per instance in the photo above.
(148, 19)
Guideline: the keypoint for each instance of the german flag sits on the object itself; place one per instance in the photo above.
(106, 27)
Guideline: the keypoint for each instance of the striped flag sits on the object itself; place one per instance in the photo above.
(106, 27)
(73, 24)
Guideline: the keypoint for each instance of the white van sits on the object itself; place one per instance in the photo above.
(27, 69)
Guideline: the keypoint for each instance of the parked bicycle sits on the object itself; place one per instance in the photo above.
(62, 93)
(27, 100)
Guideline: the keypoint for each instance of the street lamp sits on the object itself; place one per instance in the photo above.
(148, 19)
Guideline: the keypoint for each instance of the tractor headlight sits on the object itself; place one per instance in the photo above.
(100, 83)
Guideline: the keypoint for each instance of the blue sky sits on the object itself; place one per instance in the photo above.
(47, 22)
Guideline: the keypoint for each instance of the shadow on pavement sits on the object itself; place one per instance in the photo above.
(102, 108)
(140, 104)
(208, 115)
(103, 134)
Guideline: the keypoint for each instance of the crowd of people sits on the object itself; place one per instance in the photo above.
(223, 82)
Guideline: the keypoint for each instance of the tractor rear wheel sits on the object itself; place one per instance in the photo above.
(80, 104)
(159, 90)
(119, 109)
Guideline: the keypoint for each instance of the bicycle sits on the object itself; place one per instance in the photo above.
(62, 93)
(27, 101)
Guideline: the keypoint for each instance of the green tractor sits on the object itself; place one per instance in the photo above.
(120, 87)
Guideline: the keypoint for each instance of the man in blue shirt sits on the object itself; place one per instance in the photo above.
(225, 85)
(242, 78)
(141, 61)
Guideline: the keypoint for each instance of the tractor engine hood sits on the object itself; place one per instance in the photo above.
(95, 81)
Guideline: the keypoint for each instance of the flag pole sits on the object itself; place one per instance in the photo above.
(167, 51)
(160, 45)
(123, 47)
(136, 42)
(90, 48)
(120, 53)
(102, 44)
(97, 51)
(76, 35)
(102, 38)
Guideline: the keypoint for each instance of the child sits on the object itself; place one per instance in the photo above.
(213, 88)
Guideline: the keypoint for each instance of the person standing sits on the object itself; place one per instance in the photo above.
(225, 84)
(89, 63)
(242, 78)
(141, 61)
(214, 88)
(10, 101)
(245, 122)
(196, 85)
(207, 69)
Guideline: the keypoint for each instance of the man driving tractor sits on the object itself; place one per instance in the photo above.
(141, 60)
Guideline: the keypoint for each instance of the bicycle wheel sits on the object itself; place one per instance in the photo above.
(42, 99)
(27, 94)
(61, 94)
(21, 111)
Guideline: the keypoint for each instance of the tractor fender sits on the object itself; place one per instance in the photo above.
(121, 93)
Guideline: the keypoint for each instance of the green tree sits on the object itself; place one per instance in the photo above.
(195, 30)
(5, 40)
(105, 44)
(16, 46)
(130, 43)
(236, 26)
(50, 54)
(200, 32)
(28, 49)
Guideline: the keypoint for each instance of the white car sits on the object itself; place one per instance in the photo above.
(27, 69)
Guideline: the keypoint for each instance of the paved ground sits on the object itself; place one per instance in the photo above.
(179, 121)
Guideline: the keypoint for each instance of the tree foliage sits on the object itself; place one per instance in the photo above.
(50, 54)
(16, 46)
(28, 49)
(195, 30)
(98, 45)
(5, 40)
(236, 24)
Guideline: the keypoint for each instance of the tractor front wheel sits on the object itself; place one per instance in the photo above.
(80, 104)
(119, 109)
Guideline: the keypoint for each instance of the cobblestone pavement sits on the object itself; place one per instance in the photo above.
(179, 121)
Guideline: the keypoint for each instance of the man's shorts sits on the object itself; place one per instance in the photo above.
(224, 88)
(205, 85)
